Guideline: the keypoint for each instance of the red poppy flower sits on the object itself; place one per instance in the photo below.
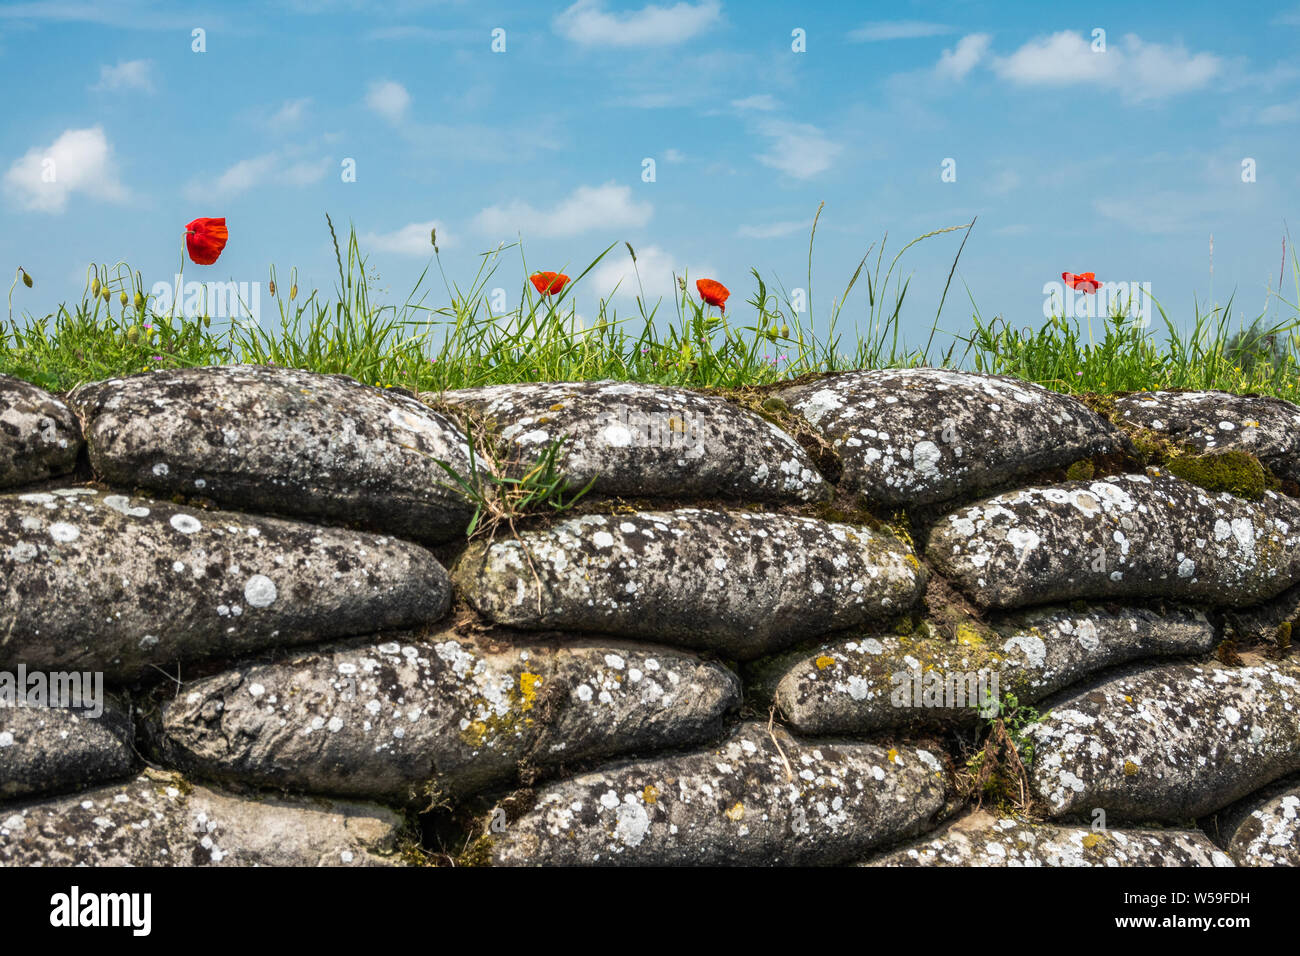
(548, 283)
(204, 240)
(714, 293)
(1084, 282)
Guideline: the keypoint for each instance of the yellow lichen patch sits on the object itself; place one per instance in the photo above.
(911, 559)
(892, 756)
(650, 794)
(736, 813)
(677, 425)
(528, 684)
(968, 636)
(1130, 768)
(1091, 840)
(824, 662)
(557, 406)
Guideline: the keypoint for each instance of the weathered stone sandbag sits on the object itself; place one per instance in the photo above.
(880, 681)
(980, 839)
(759, 798)
(284, 441)
(1168, 743)
(161, 819)
(419, 721)
(1268, 428)
(640, 440)
(1264, 828)
(39, 436)
(106, 582)
(739, 583)
(1275, 621)
(61, 749)
(1130, 536)
(922, 436)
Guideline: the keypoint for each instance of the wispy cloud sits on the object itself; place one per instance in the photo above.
(290, 113)
(125, 75)
(763, 102)
(414, 239)
(800, 150)
(1138, 70)
(79, 161)
(954, 64)
(586, 209)
(615, 276)
(275, 168)
(588, 23)
(897, 30)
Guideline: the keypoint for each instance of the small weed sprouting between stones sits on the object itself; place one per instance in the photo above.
(999, 771)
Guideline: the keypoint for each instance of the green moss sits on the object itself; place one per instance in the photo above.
(1080, 471)
(478, 853)
(1236, 472)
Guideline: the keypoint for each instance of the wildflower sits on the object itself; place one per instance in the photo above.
(714, 293)
(204, 240)
(548, 283)
(157, 358)
(1083, 282)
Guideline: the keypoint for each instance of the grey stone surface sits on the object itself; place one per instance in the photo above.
(980, 839)
(160, 819)
(58, 749)
(740, 583)
(1264, 828)
(923, 436)
(881, 681)
(439, 718)
(1268, 428)
(1168, 743)
(105, 582)
(1275, 621)
(39, 436)
(1130, 536)
(288, 442)
(758, 798)
(640, 440)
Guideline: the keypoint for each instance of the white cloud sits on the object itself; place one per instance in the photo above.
(1278, 114)
(290, 113)
(79, 161)
(267, 169)
(410, 240)
(954, 64)
(674, 156)
(764, 102)
(897, 30)
(585, 209)
(390, 100)
(126, 75)
(800, 150)
(1136, 69)
(773, 230)
(658, 270)
(588, 23)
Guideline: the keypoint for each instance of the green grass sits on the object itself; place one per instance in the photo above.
(112, 331)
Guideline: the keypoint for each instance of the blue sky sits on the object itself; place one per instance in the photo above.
(1123, 162)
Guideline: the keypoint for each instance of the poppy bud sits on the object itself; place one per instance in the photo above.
(293, 292)
(133, 334)
(107, 294)
(139, 301)
(27, 279)
(123, 299)
(94, 286)
(272, 287)
(785, 331)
